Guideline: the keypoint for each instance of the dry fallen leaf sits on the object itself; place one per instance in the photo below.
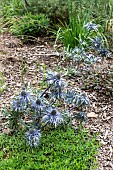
(92, 114)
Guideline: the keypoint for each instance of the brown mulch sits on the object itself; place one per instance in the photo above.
(33, 60)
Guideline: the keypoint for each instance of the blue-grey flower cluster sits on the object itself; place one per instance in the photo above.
(37, 105)
(91, 27)
(33, 137)
(52, 118)
(41, 113)
(56, 83)
(21, 102)
(55, 79)
(97, 51)
(90, 58)
(96, 43)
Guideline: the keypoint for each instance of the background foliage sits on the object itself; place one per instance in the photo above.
(100, 11)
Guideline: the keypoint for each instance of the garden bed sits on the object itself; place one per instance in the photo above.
(33, 61)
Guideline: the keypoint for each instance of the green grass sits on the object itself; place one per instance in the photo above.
(58, 150)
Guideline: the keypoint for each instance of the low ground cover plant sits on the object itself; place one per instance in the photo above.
(58, 149)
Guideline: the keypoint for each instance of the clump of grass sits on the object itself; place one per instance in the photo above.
(59, 149)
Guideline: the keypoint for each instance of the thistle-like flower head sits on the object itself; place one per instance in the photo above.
(52, 118)
(90, 59)
(77, 54)
(52, 77)
(33, 137)
(55, 79)
(38, 105)
(17, 105)
(56, 84)
(25, 97)
(21, 102)
(91, 27)
(96, 43)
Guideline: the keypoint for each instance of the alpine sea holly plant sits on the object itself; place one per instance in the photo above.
(90, 50)
(37, 112)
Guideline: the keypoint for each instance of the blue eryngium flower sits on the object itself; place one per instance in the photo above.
(38, 105)
(96, 43)
(21, 102)
(25, 97)
(77, 54)
(56, 84)
(53, 118)
(55, 79)
(33, 137)
(17, 105)
(90, 59)
(91, 27)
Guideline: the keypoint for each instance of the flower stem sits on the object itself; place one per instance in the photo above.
(46, 90)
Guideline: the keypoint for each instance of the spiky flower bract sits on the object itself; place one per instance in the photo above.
(21, 102)
(52, 118)
(38, 105)
(17, 105)
(33, 137)
(90, 59)
(55, 79)
(77, 54)
(56, 84)
(91, 27)
(25, 97)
